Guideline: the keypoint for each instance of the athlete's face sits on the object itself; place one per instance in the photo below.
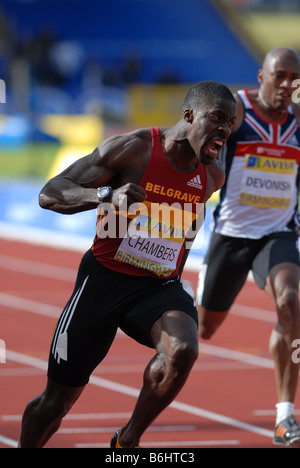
(210, 129)
(276, 79)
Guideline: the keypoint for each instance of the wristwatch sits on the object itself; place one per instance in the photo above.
(104, 194)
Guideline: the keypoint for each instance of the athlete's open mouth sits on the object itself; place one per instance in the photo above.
(215, 146)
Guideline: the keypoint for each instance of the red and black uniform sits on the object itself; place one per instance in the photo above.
(153, 244)
(128, 281)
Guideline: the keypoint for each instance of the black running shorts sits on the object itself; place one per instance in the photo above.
(229, 260)
(102, 302)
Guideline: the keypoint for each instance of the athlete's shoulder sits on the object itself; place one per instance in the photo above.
(135, 138)
(123, 149)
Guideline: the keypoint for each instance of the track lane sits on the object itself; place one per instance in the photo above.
(219, 384)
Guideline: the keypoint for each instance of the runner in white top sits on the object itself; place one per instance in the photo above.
(256, 223)
(264, 168)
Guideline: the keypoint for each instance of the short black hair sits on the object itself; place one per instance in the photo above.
(203, 92)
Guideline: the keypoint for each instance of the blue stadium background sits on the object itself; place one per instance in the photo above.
(59, 48)
(190, 37)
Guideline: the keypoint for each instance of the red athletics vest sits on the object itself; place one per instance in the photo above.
(148, 239)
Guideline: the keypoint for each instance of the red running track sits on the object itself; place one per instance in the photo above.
(228, 401)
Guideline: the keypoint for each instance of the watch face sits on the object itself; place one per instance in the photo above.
(103, 192)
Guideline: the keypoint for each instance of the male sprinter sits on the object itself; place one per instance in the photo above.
(132, 280)
(257, 222)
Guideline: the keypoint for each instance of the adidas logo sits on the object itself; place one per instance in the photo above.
(195, 182)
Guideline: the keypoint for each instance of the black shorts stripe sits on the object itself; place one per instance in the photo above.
(103, 301)
(66, 318)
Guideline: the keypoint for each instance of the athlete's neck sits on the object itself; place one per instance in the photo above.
(269, 112)
(178, 150)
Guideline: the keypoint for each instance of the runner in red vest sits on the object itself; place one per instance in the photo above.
(151, 185)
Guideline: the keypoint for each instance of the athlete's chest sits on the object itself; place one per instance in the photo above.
(277, 140)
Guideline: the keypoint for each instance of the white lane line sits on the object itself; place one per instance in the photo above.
(54, 312)
(251, 359)
(45, 238)
(74, 417)
(130, 369)
(270, 412)
(37, 268)
(7, 441)
(19, 372)
(112, 430)
(69, 275)
(254, 313)
(173, 443)
(27, 305)
(130, 391)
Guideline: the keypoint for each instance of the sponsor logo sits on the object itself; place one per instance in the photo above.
(195, 182)
(268, 182)
(277, 152)
(267, 164)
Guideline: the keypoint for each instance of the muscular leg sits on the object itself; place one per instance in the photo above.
(175, 338)
(282, 286)
(43, 414)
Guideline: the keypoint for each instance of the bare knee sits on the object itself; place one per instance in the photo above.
(287, 304)
(182, 358)
(172, 366)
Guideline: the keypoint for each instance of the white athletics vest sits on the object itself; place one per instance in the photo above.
(261, 159)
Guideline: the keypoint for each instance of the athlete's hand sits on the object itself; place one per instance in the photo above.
(128, 194)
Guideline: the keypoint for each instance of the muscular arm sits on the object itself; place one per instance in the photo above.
(75, 189)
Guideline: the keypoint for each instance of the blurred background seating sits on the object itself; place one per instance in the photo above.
(77, 71)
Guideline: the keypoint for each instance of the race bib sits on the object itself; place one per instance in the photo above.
(155, 237)
(267, 182)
